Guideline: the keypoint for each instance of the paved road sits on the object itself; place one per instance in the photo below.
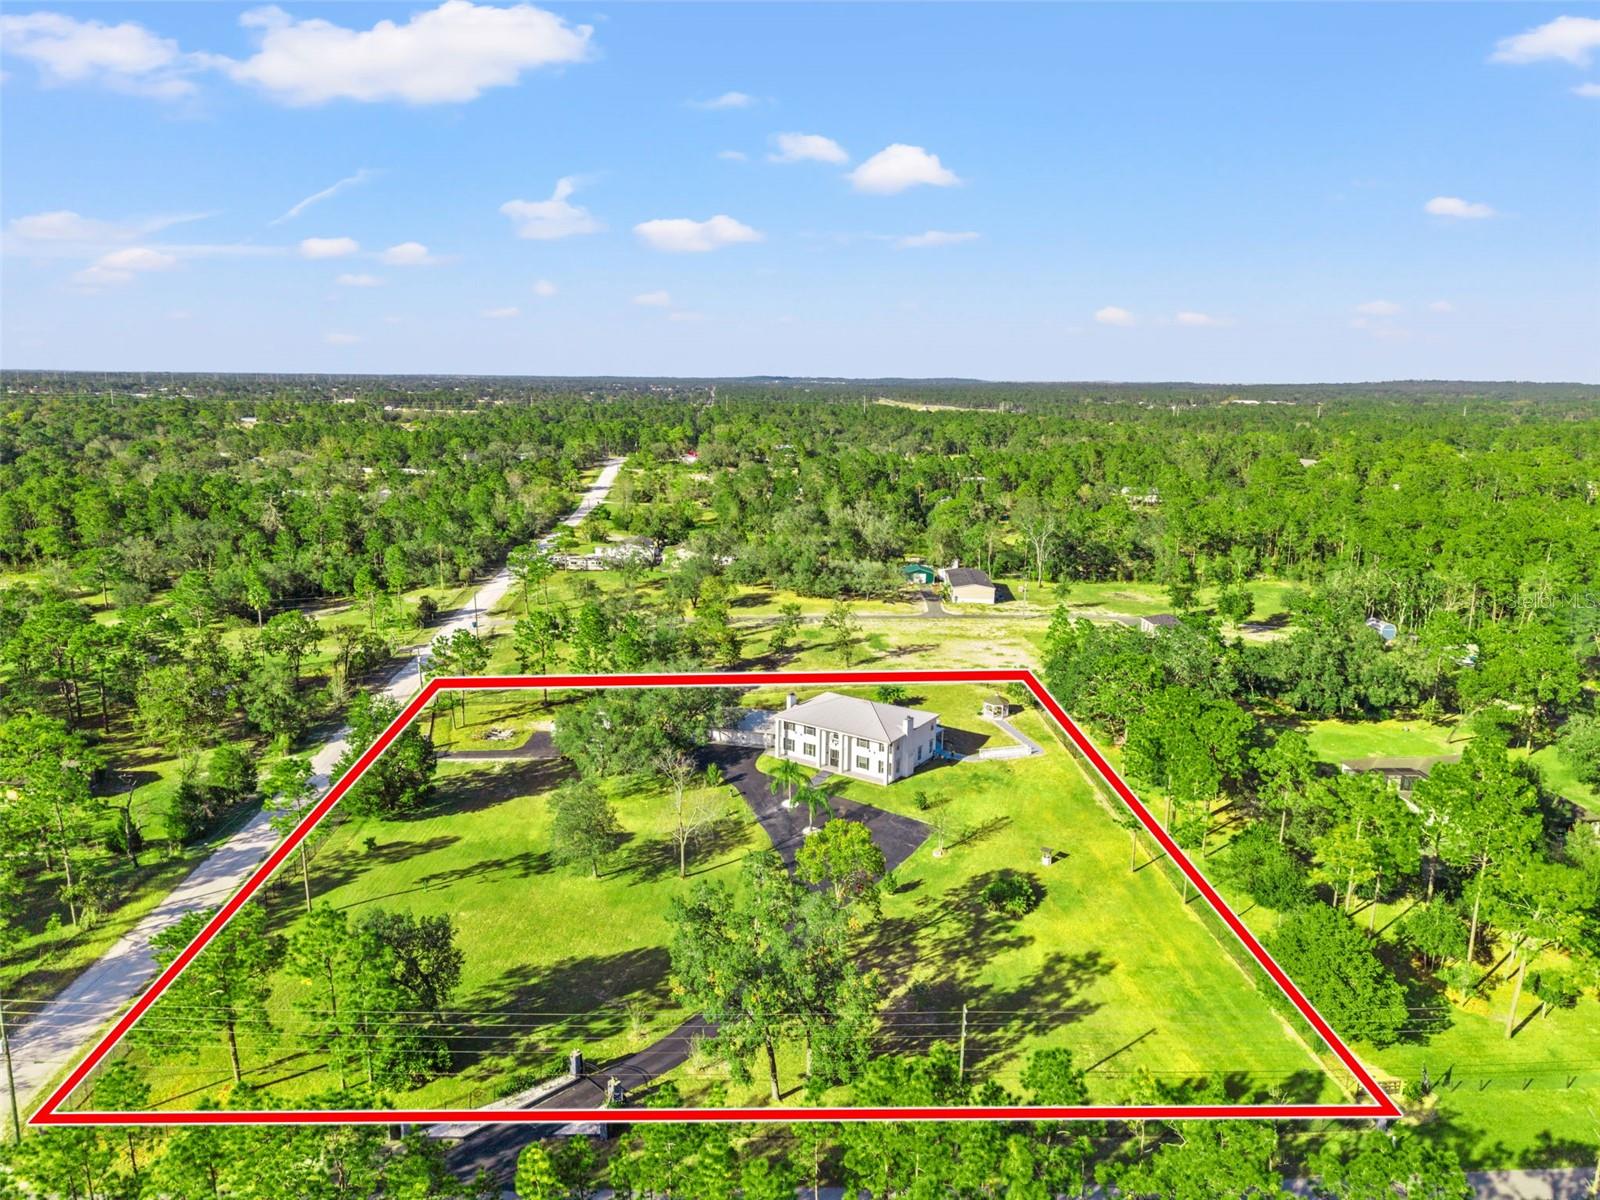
(539, 745)
(494, 1148)
(897, 836)
(56, 1034)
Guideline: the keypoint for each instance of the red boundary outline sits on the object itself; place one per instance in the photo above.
(49, 1113)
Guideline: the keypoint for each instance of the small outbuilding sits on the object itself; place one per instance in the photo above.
(918, 573)
(997, 708)
(1387, 630)
(1156, 622)
(968, 585)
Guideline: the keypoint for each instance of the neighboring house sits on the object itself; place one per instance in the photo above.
(1387, 630)
(968, 585)
(1401, 770)
(610, 554)
(631, 549)
(918, 573)
(864, 739)
(1156, 622)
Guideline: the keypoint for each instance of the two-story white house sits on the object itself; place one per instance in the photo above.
(864, 739)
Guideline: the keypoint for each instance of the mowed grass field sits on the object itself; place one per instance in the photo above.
(1111, 964)
(554, 958)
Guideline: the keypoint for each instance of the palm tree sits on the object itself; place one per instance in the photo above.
(814, 799)
(789, 774)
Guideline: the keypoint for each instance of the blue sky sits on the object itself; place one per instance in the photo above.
(1205, 192)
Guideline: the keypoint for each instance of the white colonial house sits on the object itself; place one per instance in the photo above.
(864, 739)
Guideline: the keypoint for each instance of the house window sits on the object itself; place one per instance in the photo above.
(861, 762)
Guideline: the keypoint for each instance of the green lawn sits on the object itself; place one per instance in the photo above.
(1559, 778)
(1334, 741)
(531, 932)
(1111, 964)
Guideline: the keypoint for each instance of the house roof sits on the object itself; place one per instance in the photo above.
(1419, 763)
(1164, 619)
(964, 576)
(858, 717)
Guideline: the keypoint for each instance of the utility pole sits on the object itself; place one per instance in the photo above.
(11, 1080)
(962, 1061)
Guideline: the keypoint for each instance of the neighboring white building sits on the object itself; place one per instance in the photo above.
(968, 585)
(863, 739)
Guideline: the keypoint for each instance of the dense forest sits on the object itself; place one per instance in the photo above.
(172, 547)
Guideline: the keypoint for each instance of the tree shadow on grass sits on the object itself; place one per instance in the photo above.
(964, 741)
(959, 937)
(476, 790)
(908, 650)
(533, 1011)
(511, 866)
(982, 831)
(1427, 998)
(650, 860)
(284, 896)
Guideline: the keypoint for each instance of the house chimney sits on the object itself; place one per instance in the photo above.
(905, 726)
(788, 701)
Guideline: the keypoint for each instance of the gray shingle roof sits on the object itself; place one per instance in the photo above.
(962, 576)
(857, 717)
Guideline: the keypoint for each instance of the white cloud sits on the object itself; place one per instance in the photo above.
(1378, 308)
(408, 254)
(340, 339)
(1455, 206)
(334, 247)
(120, 266)
(449, 54)
(807, 147)
(125, 57)
(1200, 320)
(934, 237)
(1112, 315)
(1569, 39)
(1588, 90)
(1441, 306)
(64, 227)
(500, 314)
(348, 181)
(898, 167)
(680, 235)
(546, 220)
(654, 299)
(733, 155)
(359, 281)
(543, 287)
(726, 100)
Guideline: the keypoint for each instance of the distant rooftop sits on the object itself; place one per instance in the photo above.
(962, 576)
(1419, 763)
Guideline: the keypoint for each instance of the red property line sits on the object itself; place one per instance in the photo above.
(50, 1112)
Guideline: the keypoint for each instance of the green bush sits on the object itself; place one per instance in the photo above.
(1013, 894)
